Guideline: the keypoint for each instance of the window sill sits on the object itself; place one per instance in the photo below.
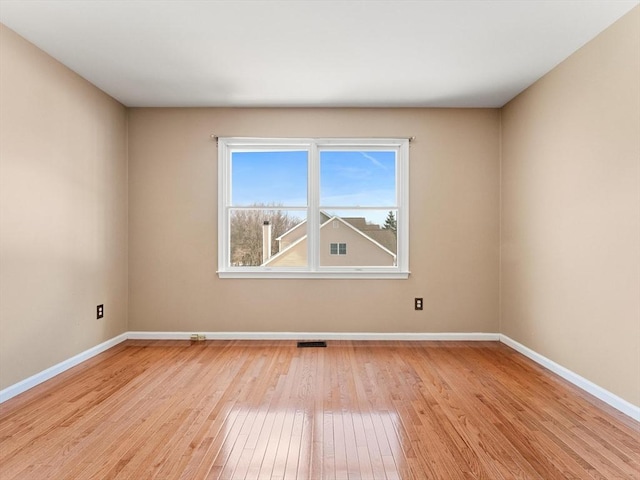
(362, 275)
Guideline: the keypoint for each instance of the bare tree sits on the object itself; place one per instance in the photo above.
(246, 232)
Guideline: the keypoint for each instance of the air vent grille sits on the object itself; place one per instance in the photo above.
(312, 344)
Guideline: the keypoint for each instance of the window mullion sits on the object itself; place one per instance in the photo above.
(313, 212)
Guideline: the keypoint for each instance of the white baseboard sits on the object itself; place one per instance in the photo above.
(488, 337)
(24, 385)
(606, 396)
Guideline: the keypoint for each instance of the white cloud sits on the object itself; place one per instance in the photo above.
(373, 160)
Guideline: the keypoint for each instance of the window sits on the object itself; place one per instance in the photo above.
(288, 208)
(338, 249)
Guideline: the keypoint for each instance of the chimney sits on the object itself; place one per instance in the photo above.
(266, 241)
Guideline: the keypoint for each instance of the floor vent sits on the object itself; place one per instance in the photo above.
(311, 344)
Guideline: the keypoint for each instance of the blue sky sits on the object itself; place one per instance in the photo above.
(269, 178)
(363, 179)
(347, 178)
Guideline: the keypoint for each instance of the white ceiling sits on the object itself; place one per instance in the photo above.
(471, 53)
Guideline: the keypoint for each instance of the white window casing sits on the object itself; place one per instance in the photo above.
(314, 211)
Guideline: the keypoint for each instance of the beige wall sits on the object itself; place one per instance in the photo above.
(454, 190)
(63, 212)
(571, 212)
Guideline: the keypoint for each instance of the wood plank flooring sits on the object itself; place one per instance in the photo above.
(354, 410)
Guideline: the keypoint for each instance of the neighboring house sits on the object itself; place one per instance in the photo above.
(343, 242)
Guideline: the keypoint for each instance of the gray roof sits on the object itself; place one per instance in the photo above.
(385, 237)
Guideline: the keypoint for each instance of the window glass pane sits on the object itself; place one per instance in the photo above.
(357, 178)
(269, 178)
(362, 238)
(250, 232)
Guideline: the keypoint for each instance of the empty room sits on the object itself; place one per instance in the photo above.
(347, 240)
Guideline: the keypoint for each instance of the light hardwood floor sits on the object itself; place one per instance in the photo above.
(353, 410)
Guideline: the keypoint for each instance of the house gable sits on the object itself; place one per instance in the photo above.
(362, 250)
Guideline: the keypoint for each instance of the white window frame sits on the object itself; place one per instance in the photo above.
(227, 145)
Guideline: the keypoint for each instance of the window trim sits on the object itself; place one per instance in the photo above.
(226, 145)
